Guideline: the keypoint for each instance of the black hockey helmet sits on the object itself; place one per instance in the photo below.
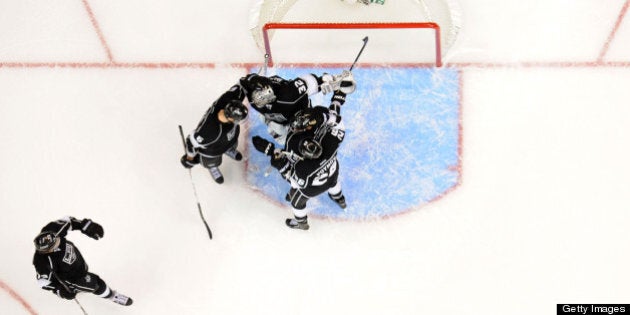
(46, 242)
(305, 119)
(310, 149)
(236, 111)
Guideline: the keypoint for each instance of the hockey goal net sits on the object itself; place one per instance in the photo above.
(329, 31)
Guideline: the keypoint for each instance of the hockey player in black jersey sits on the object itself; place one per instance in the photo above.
(309, 158)
(278, 99)
(60, 266)
(217, 134)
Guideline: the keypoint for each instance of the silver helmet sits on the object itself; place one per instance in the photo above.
(262, 96)
(46, 242)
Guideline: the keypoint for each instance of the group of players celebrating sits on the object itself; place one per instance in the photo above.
(303, 150)
(306, 137)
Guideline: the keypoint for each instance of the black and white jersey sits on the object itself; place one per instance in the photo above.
(291, 95)
(212, 137)
(66, 261)
(314, 176)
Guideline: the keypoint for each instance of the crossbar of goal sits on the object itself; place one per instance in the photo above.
(381, 25)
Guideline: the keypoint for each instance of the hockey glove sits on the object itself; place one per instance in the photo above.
(343, 82)
(262, 145)
(347, 84)
(189, 163)
(329, 84)
(64, 294)
(282, 164)
(92, 229)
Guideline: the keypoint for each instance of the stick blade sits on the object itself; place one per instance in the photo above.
(204, 221)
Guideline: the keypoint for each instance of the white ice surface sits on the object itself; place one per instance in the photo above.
(541, 216)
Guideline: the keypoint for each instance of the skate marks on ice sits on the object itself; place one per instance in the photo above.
(402, 148)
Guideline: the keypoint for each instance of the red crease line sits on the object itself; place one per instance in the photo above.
(106, 65)
(612, 34)
(98, 30)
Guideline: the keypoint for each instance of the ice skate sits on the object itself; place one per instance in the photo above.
(234, 154)
(121, 299)
(216, 174)
(339, 199)
(295, 224)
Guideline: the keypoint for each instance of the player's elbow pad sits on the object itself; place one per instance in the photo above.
(312, 83)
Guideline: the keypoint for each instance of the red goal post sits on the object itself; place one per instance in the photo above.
(392, 25)
(432, 27)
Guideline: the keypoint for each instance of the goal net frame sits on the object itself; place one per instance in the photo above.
(440, 17)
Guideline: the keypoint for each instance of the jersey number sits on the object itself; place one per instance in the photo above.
(338, 133)
(324, 174)
(300, 86)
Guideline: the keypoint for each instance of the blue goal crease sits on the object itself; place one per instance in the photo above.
(401, 148)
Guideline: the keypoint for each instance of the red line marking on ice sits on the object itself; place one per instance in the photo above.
(460, 144)
(612, 34)
(17, 297)
(106, 65)
(98, 30)
(599, 63)
(210, 65)
(536, 64)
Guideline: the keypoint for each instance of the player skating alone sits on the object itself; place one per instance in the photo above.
(309, 158)
(60, 266)
(278, 99)
(217, 134)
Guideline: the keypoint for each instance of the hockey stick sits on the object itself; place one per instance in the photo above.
(338, 79)
(291, 155)
(80, 306)
(287, 154)
(365, 40)
(68, 289)
(181, 133)
(63, 227)
(263, 69)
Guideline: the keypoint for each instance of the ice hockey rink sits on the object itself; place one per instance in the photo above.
(92, 92)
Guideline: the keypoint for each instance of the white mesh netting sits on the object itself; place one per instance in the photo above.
(446, 13)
